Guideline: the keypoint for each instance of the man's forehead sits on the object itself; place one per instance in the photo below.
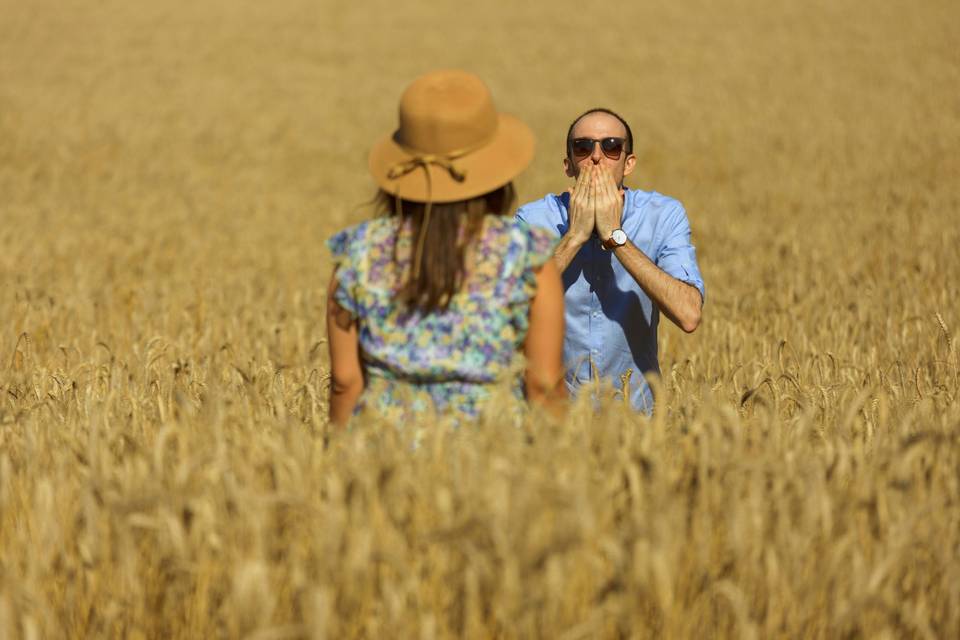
(599, 124)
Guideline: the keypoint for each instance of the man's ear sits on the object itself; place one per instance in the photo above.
(629, 164)
(568, 168)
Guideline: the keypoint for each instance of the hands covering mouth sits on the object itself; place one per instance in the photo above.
(596, 203)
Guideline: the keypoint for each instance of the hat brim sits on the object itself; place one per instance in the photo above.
(488, 168)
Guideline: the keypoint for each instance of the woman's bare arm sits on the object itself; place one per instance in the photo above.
(345, 368)
(543, 347)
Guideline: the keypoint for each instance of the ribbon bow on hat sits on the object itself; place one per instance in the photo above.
(404, 167)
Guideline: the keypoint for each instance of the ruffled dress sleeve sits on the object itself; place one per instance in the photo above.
(346, 247)
(535, 246)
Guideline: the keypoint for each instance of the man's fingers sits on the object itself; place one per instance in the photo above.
(580, 189)
(593, 190)
(580, 186)
(611, 186)
(583, 176)
(601, 184)
(581, 183)
(607, 178)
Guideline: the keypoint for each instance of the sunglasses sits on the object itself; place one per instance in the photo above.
(583, 147)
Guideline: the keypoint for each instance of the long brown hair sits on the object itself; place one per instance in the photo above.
(451, 227)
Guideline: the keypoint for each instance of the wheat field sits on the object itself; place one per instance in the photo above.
(168, 174)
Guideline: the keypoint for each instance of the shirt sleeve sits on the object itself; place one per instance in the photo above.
(677, 256)
(344, 247)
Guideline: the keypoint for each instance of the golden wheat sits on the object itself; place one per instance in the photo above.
(168, 172)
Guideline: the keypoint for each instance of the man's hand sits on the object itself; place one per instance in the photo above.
(607, 202)
(581, 210)
(580, 219)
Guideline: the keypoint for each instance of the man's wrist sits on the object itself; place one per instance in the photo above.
(615, 240)
(576, 238)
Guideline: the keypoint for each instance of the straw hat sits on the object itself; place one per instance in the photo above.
(451, 144)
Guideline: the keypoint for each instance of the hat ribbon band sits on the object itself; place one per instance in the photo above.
(443, 160)
(423, 161)
(404, 167)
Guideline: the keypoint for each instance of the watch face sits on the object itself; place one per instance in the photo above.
(619, 237)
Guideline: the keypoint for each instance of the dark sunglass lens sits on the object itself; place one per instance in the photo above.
(582, 147)
(612, 147)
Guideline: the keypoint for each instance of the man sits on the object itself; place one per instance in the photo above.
(625, 256)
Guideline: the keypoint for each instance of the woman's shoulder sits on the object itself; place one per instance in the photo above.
(517, 232)
(363, 234)
(514, 249)
(531, 242)
(518, 250)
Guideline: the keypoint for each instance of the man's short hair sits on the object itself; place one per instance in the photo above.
(629, 145)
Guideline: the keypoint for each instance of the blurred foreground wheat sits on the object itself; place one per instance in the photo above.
(183, 508)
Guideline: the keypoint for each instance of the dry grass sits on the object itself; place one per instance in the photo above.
(168, 172)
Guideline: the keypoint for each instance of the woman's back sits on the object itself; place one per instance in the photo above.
(447, 358)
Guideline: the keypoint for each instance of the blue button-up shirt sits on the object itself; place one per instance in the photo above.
(611, 323)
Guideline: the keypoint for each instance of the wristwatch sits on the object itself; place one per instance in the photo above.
(617, 239)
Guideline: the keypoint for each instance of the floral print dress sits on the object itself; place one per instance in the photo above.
(446, 361)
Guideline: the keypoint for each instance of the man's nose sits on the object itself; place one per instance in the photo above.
(596, 155)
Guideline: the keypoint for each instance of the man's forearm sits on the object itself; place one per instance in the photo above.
(679, 301)
(566, 251)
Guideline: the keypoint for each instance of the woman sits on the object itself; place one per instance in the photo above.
(429, 305)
